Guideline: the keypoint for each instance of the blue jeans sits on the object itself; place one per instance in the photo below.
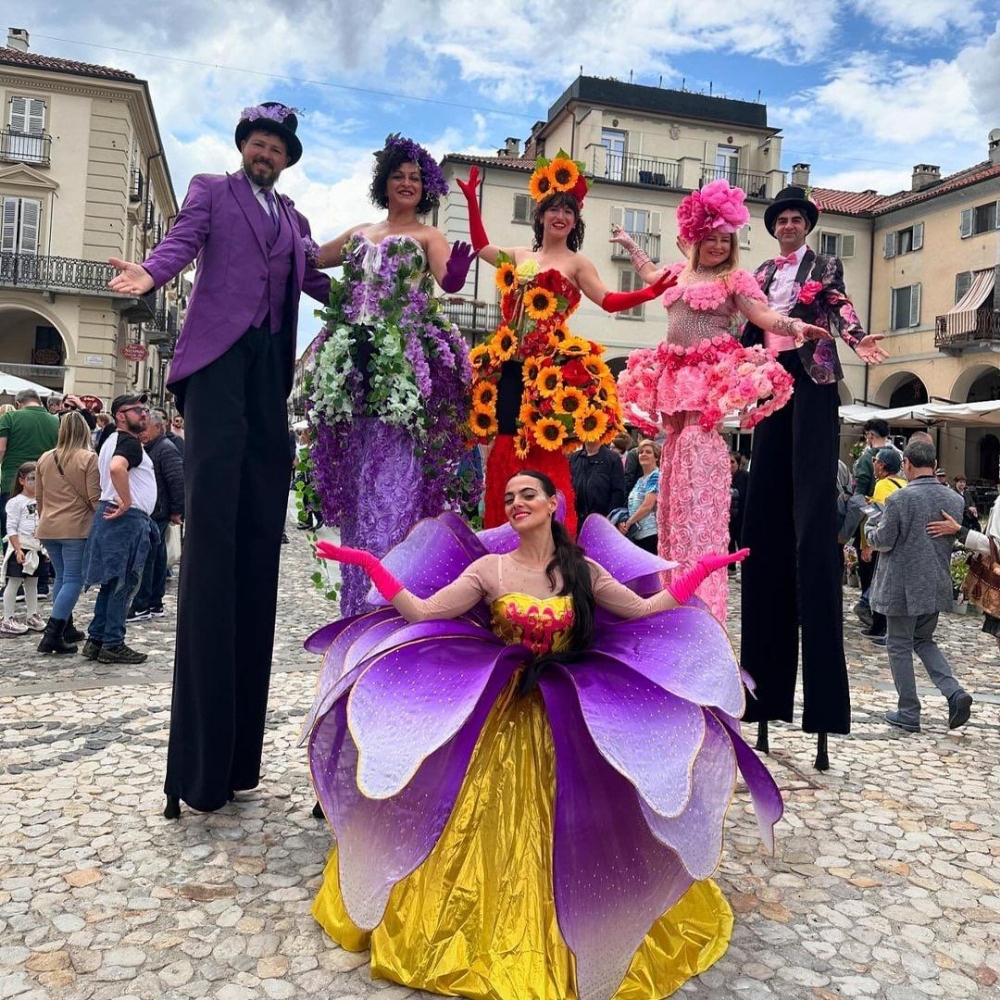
(67, 559)
(154, 574)
(110, 609)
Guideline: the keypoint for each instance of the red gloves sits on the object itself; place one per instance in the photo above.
(617, 301)
(477, 232)
(385, 583)
(684, 586)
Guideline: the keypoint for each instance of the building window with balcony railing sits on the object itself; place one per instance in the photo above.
(643, 226)
(19, 231)
(905, 307)
(752, 182)
(24, 140)
(137, 186)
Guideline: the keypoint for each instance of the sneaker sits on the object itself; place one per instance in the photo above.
(959, 709)
(120, 654)
(895, 719)
(137, 616)
(35, 622)
(878, 640)
(91, 649)
(12, 627)
(157, 611)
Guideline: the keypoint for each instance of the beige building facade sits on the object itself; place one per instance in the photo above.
(83, 178)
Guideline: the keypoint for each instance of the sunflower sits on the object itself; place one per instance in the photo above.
(483, 422)
(558, 335)
(532, 366)
(549, 380)
(575, 347)
(484, 395)
(550, 433)
(527, 415)
(570, 401)
(539, 303)
(503, 345)
(564, 173)
(596, 366)
(506, 277)
(602, 395)
(521, 445)
(591, 425)
(540, 184)
(479, 358)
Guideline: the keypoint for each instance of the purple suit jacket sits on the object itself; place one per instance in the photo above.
(222, 225)
(824, 303)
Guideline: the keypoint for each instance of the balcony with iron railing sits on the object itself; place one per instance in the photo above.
(626, 168)
(972, 329)
(33, 272)
(474, 319)
(137, 186)
(753, 182)
(649, 243)
(22, 147)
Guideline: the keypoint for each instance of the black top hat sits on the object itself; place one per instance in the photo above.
(275, 118)
(790, 197)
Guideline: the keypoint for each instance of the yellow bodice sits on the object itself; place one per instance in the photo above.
(542, 624)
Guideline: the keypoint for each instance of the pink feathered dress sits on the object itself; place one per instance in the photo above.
(690, 381)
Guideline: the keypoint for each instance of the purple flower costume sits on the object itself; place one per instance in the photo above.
(388, 396)
(548, 846)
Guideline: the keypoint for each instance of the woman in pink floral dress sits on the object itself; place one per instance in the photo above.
(699, 373)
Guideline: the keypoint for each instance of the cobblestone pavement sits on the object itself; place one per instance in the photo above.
(885, 880)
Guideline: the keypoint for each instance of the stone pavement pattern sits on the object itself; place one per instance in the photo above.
(885, 880)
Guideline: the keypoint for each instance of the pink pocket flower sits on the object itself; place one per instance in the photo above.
(809, 291)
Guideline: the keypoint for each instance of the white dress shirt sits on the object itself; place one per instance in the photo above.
(258, 193)
(779, 298)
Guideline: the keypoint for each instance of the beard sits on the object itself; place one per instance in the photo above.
(262, 174)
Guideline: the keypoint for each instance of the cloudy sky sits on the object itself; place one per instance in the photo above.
(862, 89)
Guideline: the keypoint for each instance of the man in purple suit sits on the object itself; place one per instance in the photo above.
(231, 376)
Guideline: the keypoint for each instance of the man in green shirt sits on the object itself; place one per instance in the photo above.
(24, 434)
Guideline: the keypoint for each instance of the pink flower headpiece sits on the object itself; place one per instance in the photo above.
(717, 206)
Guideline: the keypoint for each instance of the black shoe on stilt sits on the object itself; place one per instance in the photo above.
(318, 811)
(173, 808)
(762, 744)
(822, 756)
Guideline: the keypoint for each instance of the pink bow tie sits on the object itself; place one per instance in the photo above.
(791, 260)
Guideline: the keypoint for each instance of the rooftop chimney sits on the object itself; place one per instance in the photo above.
(995, 147)
(800, 175)
(511, 148)
(925, 175)
(17, 38)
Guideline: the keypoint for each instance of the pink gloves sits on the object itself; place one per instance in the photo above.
(684, 586)
(385, 583)
(617, 301)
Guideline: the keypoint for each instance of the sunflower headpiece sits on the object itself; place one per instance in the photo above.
(558, 174)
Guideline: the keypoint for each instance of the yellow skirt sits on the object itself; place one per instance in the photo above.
(477, 919)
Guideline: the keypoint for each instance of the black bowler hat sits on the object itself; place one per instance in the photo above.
(791, 197)
(275, 118)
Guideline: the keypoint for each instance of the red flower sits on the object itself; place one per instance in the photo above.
(574, 373)
(809, 291)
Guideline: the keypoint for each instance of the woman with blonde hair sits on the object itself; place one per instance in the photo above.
(699, 373)
(68, 490)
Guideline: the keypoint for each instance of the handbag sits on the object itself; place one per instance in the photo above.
(981, 585)
(174, 541)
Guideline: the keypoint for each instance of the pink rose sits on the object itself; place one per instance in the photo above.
(809, 291)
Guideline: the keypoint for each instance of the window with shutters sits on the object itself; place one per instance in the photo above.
(25, 139)
(980, 219)
(836, 244)
(963, 282)
(522, 209)
(902, 241)
(905, 307)
(21, 226)
(643, 226)
(745, 237)
(629, 281)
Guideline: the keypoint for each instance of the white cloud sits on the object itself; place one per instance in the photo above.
(909, 20)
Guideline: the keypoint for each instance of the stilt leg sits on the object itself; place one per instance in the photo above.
(172, 810)
(317, 811)
(822, 757)
(762, 745)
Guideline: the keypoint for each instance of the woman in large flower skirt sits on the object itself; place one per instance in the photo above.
(527, 764)
(389, 375)
(699, 373)
(539, 391)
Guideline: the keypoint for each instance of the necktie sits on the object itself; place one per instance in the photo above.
(272, 209)
(790, 260)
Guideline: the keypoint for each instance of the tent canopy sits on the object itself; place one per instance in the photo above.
(11, 385)
(984, 414)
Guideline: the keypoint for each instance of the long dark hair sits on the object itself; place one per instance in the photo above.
(574, 569)
(387, 160)
(575, 239)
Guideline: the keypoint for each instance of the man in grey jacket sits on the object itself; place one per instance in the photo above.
(912, 585)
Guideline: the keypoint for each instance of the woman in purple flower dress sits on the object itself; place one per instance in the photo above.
(527, 763)
(390, 376)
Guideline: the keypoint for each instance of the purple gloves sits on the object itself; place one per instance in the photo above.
(462, 256)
